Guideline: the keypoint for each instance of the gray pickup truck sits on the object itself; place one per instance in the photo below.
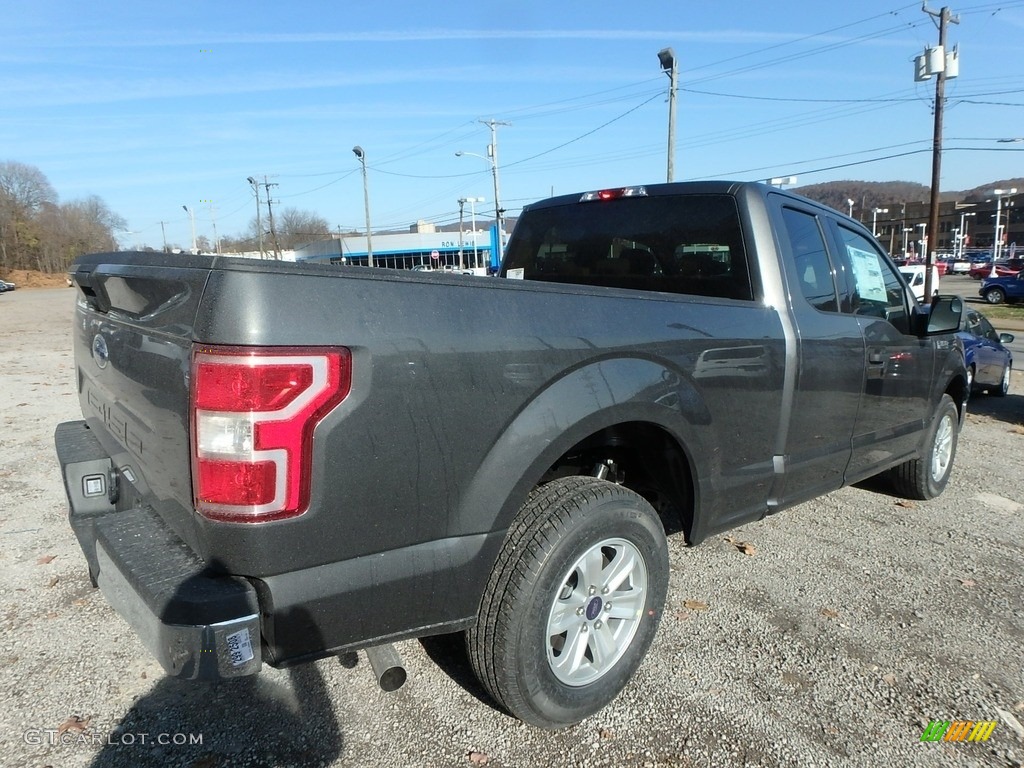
(279, 462)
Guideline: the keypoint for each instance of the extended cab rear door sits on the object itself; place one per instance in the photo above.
(826, 355)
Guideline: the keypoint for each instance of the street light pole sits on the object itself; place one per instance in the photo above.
(962, 233)
(670, 66)
(192, 217)
(358, 152)
(874, 219)
(849, 202)
(997, 246)
(462, 203)
(472, 215)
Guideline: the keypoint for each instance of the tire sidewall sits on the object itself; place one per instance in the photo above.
(553, 701)
(947, 409)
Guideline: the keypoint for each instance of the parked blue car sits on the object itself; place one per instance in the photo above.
(989, 363)
(1003, 289)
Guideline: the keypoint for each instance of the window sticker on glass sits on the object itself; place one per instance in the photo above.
(868, 274)
(516, 273)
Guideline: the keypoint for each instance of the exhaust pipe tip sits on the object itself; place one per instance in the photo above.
(387, 667)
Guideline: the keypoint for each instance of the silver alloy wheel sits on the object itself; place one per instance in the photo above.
(1005, 384)
(942, 451)
(970, 378)
(596, 612)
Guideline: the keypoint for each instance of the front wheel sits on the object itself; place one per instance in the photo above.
(572, 603)
(926, 477)
(1004, 384)
(995, 295)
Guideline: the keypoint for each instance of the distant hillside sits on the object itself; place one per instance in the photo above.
(875, 194)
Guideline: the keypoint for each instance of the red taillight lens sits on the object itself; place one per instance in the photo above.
(242, 387)
(253, 415)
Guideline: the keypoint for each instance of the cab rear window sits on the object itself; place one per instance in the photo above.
(688, 244)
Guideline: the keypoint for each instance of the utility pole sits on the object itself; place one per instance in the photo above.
(499, 212)
(213, 222)
(944, 18)
(259, 221)
(163, 231)
(270, 217)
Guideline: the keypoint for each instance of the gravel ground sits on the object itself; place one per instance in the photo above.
(856, 621)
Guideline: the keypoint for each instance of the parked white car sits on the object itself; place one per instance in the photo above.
(914, 275)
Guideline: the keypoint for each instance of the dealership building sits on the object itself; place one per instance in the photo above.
(422, 246)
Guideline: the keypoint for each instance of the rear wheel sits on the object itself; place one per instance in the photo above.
(573, 602)
(995, 295)
(926, 477)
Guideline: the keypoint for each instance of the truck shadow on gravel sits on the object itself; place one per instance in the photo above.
(448, 652)
(252, 721)
(1009, 409)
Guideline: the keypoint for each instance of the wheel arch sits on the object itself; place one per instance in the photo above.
(637, 412)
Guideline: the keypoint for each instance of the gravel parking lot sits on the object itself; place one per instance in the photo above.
(845, 626)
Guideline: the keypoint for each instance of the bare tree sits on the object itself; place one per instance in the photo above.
(24, 190)
(38, 233)
(296, 227)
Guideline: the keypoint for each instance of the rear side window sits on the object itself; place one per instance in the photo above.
(690, 244)
(813, 269)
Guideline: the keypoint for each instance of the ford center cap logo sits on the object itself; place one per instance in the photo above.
(99, 351)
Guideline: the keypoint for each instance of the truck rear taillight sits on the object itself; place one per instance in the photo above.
(253, 412)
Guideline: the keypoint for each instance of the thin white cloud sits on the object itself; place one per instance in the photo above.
(160, 38)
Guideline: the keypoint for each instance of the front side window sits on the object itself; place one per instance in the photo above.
(877, 288)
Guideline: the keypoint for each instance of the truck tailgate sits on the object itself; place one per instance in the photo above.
(133, 327)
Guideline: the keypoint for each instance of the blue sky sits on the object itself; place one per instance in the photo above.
(155, 106)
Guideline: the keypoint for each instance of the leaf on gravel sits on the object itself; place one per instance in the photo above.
(968, 582)
(743, 546)
(695, 605)
(890, 679)
(478, 758)
(52, 582)
(682, 615)
(46, 559)
(828, 613)
(606, 733)
(906, 503)
(73, 723)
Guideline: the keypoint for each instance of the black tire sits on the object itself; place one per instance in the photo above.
(926, 477)
(995, 295)
(1003, 387)
(540, 583)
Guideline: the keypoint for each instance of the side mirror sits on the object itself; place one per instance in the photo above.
(944, 315)
(1005, 338)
